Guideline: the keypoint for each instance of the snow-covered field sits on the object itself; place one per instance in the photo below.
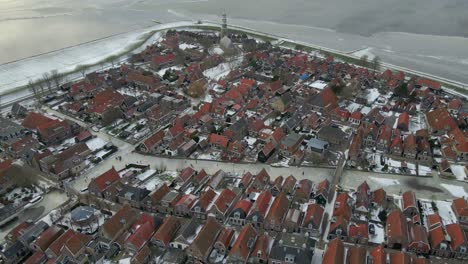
(458, 171)
(385, 182)
(218, 72)
(455, 190)
(96, 143)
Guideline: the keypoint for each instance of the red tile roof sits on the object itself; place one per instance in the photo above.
(113, 226)
(36, 258)
(360, 230)
(77, 242)
(409, 200)
(224, 200)
(219, 140)
(334, 254)
(48, 237)
(163, 59)
(457, 235)
(342, 207)
(206, 237)
(141, 236)
(262, 202)
(429, 83)
(201, 175)
(262, 247)
(186, 174)
(379, 256)
(278, 134)
(356, 255)
(156, 138)
(399, 258)
(187, 200)
(460, 206)
(440, 119)
(206, 198)
(314, 214)
(436, 236)
(278, 209)
(57, 245)
(244, 205)
(397, 226)
(167, 230)
(241, 247)
(33, 120)
(17, 230)
(225, 237)
(106, 179)
(158, 194)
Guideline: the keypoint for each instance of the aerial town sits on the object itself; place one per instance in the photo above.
(214, 146)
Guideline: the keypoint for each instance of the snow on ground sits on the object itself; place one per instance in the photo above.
(372, 95)
(125, 261)
(218, 72)
(209, 156)
(163, 71)
(283, 163)
(103, 152)
(457, 191)
(365, 110)
(424, 170)
(218, 51)
(385, 182)
(365, 52)
(152, 184)
(458, 171)
(223, 69)
(250, 141)
(379, 236)
(129, 91)
(416, 123)
(96, 143)
(353, 107)
(445, 212)
(184, 46)
(145, 175)
(320, 85)
(18, 73)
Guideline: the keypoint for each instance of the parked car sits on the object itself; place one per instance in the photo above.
(371, 229)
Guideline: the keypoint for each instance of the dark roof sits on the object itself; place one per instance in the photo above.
(292, 244)
(133, 193)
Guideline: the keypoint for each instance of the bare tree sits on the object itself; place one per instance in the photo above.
(82, 70)
(364, 61)
(47, 80)
(113, 60)
(56, 77)
(32, 87)
(376, 63)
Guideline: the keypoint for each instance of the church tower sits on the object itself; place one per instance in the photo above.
(224, 26)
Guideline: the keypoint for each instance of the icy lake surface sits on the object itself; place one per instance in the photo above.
(428, 36)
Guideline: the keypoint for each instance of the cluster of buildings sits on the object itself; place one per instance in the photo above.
(60, 148)
(255, 218)
(396, 229)
(271, 104)
(195, 217)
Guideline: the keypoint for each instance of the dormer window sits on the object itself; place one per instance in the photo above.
(237, 215)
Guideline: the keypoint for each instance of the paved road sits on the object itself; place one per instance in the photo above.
(51, 201)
